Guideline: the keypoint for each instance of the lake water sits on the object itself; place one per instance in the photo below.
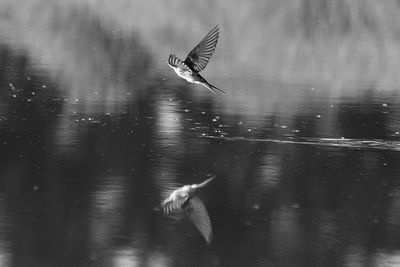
(96, 130)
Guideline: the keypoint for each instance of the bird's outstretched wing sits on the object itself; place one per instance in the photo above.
(198, 214)
(175, 62)
(198, 58)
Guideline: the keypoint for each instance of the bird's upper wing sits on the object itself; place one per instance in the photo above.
(198, 58)
(198, 214)
(176, 62)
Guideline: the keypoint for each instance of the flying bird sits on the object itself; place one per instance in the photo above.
(197, 60)
(184, 200)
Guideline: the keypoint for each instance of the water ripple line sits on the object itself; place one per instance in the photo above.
(329, 142)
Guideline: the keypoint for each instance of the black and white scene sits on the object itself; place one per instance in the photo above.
(199, 133)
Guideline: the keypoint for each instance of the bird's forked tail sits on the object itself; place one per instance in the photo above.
(211, 87)
(203, 183)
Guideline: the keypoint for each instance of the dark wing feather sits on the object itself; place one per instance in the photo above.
(198, 214)
(198, 58)
(176, 62)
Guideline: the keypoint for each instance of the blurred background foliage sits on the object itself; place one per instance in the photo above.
(343, 45)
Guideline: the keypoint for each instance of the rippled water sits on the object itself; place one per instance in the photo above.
(96, 130)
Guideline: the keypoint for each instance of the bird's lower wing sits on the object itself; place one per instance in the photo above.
(170, 206)
(176, 62)
(198, 214)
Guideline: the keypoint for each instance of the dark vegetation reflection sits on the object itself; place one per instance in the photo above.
(85, 188)
(83, 173)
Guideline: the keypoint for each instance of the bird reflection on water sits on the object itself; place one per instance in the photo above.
(185, 201)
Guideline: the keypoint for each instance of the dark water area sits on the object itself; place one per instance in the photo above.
(93, 142)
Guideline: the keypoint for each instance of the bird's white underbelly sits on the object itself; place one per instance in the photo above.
(185, 75)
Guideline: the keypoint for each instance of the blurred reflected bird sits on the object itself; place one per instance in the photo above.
(197, 60)
(185, 201)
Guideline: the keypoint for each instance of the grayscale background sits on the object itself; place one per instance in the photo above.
(96, 129)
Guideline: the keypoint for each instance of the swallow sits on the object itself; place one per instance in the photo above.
(197, 60)
(184, 200)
